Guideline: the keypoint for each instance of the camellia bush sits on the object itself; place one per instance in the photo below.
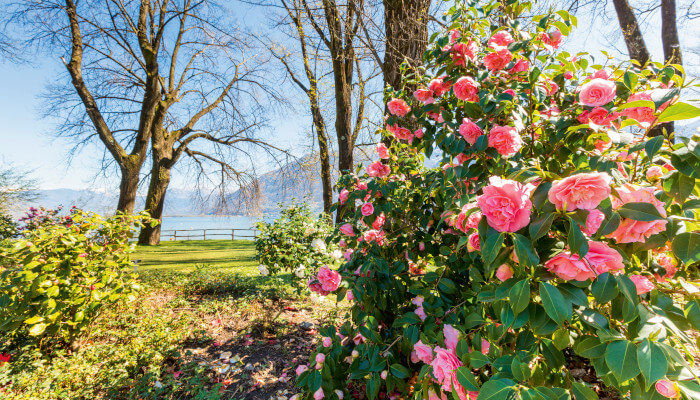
(55, 279)
(295, 243)
(8, 227)
(553, 253)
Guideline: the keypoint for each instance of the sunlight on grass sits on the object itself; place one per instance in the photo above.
(234, 255)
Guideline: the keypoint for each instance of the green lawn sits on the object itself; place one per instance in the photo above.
(184, 255)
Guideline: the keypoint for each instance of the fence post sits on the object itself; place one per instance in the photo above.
(205, 234)
(175, 234)
(232, 234)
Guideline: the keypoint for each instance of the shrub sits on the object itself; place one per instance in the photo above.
(57, 277)
(8, 227)
(295, 243)
(42, 217)
(551, 254)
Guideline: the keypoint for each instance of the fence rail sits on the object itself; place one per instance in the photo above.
(208, 234)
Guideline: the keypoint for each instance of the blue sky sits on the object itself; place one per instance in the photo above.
(27, 141)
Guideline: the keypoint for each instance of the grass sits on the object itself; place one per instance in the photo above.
(183, 256)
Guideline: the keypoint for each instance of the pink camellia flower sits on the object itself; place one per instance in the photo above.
(346, 229)
(383, 375)
(668, 263)
(510, 92)
(329, 279)
(599, 116)
(470, 131)
(301, 369)
(498, 60)
(500, 40)
(552, 40)
(367, 209)
(643, 115)
(602, 145)
(668, 389)
(340, 394)
(597, 92)
(320, 358)
(504, 272)
(601, 74)
(374, 235)
(505, 139)
(466, 89)
(418, 301)
(343, 196)
(399, 132)
(425, 96)
(462, 51)
(604, 258)
(327, 342)
(418, 133)
(383, 151)
(506, 204)
(378, 170)
(521, 65)
(444, 366)
(550, 87)
(485, 346)
(398, 107)
(439, 87)
(569, 267)
(637, 231)
(420, 312)
(568, 75)
(654, 172)
(379, 222)
(473, 243)
(358, 339)
(451, 336)
(454, 35)
(593, 221)
(350, 296)
(348, 254)
(423, 352)
(318, 395)
(642, 283)
(582, 191)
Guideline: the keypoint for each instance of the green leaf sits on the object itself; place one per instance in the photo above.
(519, 296)
(621, 358)
(492, 247)
(37, 329)
(628, 288)
(526, 253)
(555, 305)
(610, 225)
(652, 362)
(466, 379)
(399, 371)
(577, 240)
(589, 347)
(540, 226)
(686, 247)
(645, 212)
(497, 389)
(692, 313)
(679, 111)
(583, 392)
(653, 145)
(604, 288)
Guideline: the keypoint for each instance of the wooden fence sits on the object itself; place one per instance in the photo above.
(206, 234)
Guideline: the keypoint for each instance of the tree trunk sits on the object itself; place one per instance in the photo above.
(155, 199)
(128, 187)
(326, 183)
(669, 33)
(406, 31)
(634, 40)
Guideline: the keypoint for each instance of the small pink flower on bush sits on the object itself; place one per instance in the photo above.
(568, 75)
(500, 40)
(462, 51)
(505, 139)
(668, 263)
(582, 191)
(506, 204)
(398, 107)
(348, 254)
(466, 89)
(594, 219)
(320, 358)
(383, 151)
(552, 40)
(473, 243)
(318, 395)
(379, 221)
(630, 230)
(439, 87)
(374, 235)
(569, 267)
(327, 342)
(485, 346)
(668, 389)
(346, 229)
(601, 117)
(343, 196)
(643, 115)
(601, 74)
(498, 60)
(642, 283)
(504, 272)
(444, 366)
(399, 132)
(604, 258)
(420, 312)
(367, 209)
(425, 96)
(423, 352)
(597, 92)
(451, 336)
(654, 172)
(378, 170)
(330, 279)
(470, 131)
(301, 369)
(418, 133)
(521, 65)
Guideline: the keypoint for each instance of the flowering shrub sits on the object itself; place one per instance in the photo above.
(552, 255)
(38, 217)
(295, 243)
(56, 278)
(8, 227)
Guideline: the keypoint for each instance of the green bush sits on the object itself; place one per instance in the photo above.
(56, 278)
(296, 243)
(8, 228)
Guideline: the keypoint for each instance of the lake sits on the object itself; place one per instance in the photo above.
(209, 222)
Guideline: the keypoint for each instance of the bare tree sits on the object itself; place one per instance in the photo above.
(634, 40)
(17, 187)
